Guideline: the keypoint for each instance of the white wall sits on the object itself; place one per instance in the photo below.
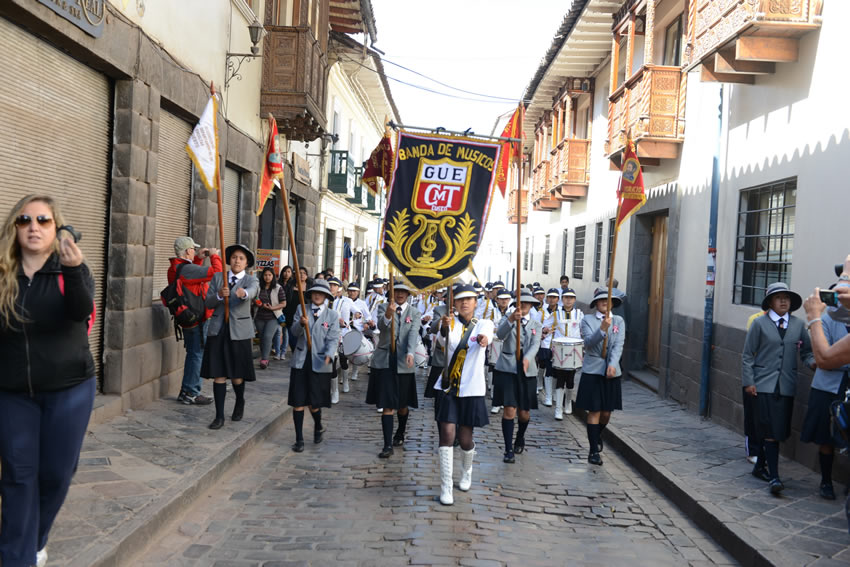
(198, 34)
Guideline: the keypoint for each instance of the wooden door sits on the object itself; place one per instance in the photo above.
(658, 261)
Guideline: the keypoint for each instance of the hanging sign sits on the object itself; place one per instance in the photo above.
(437, 206)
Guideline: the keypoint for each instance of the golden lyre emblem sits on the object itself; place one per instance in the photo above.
(439, 199)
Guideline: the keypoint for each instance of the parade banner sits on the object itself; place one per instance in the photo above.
(510, 150)
(437, 206)
(202, 146)
(631, 194)
(272, 166)
(379, 165)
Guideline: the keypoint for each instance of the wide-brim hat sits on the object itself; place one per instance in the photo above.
(781, 287)
(234, 247)
(462, 291)
(603, 294)
(528, 298)
(321, 286)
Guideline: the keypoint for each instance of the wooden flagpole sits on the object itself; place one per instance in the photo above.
(226, 284)
(613, 257)
(450, 312)
(294, 252)
(391, 299)
(519, 245)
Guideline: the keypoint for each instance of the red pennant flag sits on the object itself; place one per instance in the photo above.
(631, 193)
(379, 165)
(273, 165)
(509, 151)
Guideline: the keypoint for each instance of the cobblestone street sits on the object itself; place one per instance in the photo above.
(338, 504)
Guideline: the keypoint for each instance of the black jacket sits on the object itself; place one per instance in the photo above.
(50, 350)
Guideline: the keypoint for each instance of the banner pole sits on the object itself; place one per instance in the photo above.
(611, 275)
(519, 243)
(226, 284)
(294, 252)
(450, 312)
(391, 298)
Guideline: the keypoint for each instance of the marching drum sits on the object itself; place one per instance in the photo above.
(357, 348)
(420, 355)
(567, 353)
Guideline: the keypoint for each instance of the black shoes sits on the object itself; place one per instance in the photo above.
(398, 440)
(594, 459)
(298, 447)
(761, 473)
(385, 453)
(519, 445)
(238, 411)
(217, 423)
(318, 435)
(509, 457)
(776, 486)
(826, 491)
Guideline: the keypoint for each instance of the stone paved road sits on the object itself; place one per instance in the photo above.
(338, 504)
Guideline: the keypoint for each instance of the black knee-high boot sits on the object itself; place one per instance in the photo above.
(508, 434)
(219, 393)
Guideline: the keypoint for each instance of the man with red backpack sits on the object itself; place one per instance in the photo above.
(194, 277)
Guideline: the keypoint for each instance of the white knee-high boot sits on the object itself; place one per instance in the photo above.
(568, 409)
(335, 389)
(446, 463)
(354, 369)
(559, 404)
(466, 472)
(547, 386)
(345, 385)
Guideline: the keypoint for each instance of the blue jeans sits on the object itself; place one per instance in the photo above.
(40, 442)
(194, 341)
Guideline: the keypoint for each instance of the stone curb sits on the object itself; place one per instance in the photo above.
(736, 539)
(131, 538)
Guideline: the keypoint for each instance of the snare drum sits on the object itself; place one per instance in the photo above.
(357, 348)
(420, 355)
(567, 353)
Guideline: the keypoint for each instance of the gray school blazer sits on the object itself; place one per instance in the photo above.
(324, 337)
(532, 333)
(241, 324)
(406, 336)
(768, 358)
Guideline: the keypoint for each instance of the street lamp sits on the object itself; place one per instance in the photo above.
(234, 60)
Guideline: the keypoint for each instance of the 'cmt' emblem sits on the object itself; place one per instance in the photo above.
(441, 187)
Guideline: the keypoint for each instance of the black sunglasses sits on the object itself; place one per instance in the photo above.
(26, 220)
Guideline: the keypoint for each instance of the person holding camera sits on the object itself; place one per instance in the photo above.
(195, 277)
(48, 383)
(270, 303)
(769, 374)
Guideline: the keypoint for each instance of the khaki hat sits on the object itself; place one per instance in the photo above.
(183, 243)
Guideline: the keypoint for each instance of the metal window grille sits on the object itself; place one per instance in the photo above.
(546, 256)
(531, 255)
(611, 228)
(597, 252)
(765, 243)
(564, 252)
(525, 256)
(578, 253)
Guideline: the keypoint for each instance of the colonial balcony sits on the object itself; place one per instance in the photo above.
(512, 210)
(295, 72)
(342, 176)
(570, 176)
(371, 204)
(651, 106)
(359, 190)
(735, 41)
(541, 197)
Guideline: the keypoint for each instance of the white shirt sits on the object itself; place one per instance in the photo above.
(472, 377)
(230, 276)
(569, 327)
(551, 321)
(775, 318)
(359, 306)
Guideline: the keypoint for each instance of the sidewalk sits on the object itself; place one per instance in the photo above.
(139, 470)
(701, 467)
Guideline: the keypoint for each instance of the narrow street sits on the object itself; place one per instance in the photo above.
(338, 504)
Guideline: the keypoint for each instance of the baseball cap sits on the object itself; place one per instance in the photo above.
(183, 243)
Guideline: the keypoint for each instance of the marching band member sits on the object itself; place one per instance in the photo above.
(438, 350)
(517, 392)
(462, 407)
(395, 389)
(310, 378)
(377, 298)
(568, 326)
(537, 314)
(479, 300)
(360, 319)
(342, 305)
(503, 301)
(551, 315)
(600, 390)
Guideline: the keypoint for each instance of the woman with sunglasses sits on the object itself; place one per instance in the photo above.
(47, 387)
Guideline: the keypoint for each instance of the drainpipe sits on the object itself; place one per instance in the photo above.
(710, 272)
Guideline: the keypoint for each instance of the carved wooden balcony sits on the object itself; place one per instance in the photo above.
(294, 88)
(650, 105)
(541, 197)
(512, 215)
(570, 175)
(735, 40)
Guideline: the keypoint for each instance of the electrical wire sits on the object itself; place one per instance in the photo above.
(492, 100)
(504, 99)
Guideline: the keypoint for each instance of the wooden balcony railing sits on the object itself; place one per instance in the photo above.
(512, 214)
(650, 105)
(735, 40)
(294, 87)
(570, 176)
(541, 197)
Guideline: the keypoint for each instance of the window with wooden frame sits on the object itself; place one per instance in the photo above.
(673, 43)
(578, 253)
